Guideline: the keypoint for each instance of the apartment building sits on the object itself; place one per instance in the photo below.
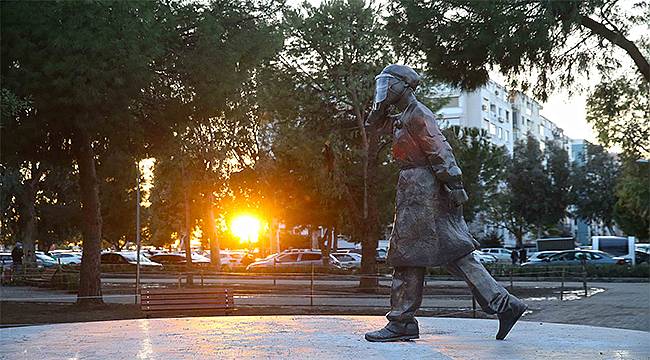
(487, 108)
(507, 116)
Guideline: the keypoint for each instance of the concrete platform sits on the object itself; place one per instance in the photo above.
(314, 337)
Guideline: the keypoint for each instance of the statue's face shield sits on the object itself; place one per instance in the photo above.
(382, 83)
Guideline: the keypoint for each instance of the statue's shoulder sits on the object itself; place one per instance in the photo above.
(422, 113)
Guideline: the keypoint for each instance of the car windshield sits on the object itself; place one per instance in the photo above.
(132, 258)
(343, 257)
(44, 257)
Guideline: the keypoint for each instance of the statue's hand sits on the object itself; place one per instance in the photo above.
(458, 196)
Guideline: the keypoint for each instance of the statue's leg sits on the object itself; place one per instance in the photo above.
(406, 293)
(491, 296)
(405, 299)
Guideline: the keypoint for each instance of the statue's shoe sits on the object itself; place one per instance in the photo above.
(395, 331)
(508, 318)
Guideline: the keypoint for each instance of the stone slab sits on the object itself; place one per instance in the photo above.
(314, 337)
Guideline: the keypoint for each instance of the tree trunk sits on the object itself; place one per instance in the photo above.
(188, 228)
(90, 289)
(28, 220)
(215, 256)
(370, 224)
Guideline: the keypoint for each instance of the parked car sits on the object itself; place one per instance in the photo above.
(484, 258)
(381, 255)
(643, 248)
(501, 254)
(576, 257)
(66, 258)
(348, 260)
(44, 261)
(293, 259)
(178, 259)
(642, 257)
(6, 260)
(540, 255)
(127, 258)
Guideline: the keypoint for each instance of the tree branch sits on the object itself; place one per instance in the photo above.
(620, 41)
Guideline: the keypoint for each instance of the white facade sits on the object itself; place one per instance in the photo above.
(507, 116)
(487, 108)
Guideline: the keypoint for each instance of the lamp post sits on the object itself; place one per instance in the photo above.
(137, 231)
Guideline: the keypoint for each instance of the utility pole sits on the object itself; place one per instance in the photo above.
(188, 246)
(215, 248)
(137, 231)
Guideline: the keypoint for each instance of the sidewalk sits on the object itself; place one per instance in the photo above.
(314, 337)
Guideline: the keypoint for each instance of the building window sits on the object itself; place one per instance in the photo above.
(541, 129)
(507, 116)
(486, 104)
(451, 101)
(493, 108)
(500, 133)
(493, 129)
(507, 135)
(486, 124)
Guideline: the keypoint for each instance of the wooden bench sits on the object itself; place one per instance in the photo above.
(187, 300)
(42, 278)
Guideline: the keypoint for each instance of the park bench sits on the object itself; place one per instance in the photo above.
(187, 301)
(42, 278)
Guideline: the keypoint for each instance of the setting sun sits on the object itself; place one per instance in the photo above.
(246, 228)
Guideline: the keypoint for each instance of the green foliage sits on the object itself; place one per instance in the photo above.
(593, 181)
(619, 110)
(491, 240)
(319, 93)
(632, 210)
(537, 189)
(557, 40)
(557, 171)
(483, 165)
(207, 93)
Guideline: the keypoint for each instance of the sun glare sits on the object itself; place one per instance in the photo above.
(246, 228)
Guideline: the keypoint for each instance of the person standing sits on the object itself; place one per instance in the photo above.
(523, 255)
(429, 229)
(514, 256)
(17, 257)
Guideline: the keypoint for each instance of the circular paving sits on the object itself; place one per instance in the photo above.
(314, 337)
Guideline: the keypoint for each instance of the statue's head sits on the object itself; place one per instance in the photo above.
(393, 83)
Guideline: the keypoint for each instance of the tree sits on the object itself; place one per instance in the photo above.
(632, 209)
(483, 165)
(330, 57)
(593, 182)
(557, 40)
(558, 172)
(207, 92)
(536, 193)
(619, 110)
(82, 64)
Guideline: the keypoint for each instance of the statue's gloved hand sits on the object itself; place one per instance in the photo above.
(458, 196)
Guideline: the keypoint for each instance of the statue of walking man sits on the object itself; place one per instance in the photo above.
(429, 228)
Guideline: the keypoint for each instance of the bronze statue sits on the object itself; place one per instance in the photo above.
(429, 228)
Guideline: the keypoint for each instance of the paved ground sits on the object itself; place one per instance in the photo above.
(618, 305)
(314, 337)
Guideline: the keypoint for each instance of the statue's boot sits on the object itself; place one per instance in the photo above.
(508, 318)
(395, 331)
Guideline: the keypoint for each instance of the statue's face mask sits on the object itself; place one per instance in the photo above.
(382, 83)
